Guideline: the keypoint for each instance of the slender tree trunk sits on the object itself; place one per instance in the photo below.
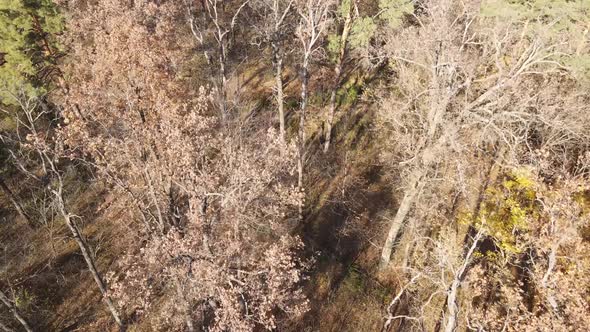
(40, 32)
(393, 302)
(189, 325)
(338, 78)
(472, 233)
(14, 310)
(15, 202)
(152, 191)
(301, 136)
(223, 80)
(452, 308)
(400, 219)
(278, 63)
(88, 258)
(395, 227)
(552, 260)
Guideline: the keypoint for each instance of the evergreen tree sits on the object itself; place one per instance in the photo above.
(27, 42)
(562, 21)
(393, 11)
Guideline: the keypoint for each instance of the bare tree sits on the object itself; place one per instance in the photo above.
(223, 15)
(313, 22)
(452, 308)
(273, 27)
(15, 312)
(455, 110)
(49, 147)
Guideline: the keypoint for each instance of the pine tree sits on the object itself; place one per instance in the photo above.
(563, 21)
(393, 11)
(27, 46)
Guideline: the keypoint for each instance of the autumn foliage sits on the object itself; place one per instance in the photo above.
(295, 165)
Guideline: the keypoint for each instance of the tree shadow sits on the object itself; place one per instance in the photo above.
(347, 193)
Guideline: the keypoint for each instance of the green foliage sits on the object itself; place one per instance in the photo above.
(24, 26)
(566, 11)
(361, 32)
(333, 47)
(24, 300)
(564, 21)
(580, 67)
(507, 208)
(394, 10)
(355, 281)
(344, 8)
(291, 103)
(348, 94)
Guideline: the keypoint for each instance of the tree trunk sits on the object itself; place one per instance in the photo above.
(472, 233)
(338, 78)
(399, 219)
(278, 63)
(41, 33)
(14, 310)
(152, 192)
(552, 260)
(88, 258)
(189, 325)
(223, 80)
(452, 308)
(301, 136)
(15, 202)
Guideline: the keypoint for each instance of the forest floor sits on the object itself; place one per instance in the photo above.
(46, 272)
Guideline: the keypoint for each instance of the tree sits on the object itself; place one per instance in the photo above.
(223, 16)
(462, 103)
(506, 101)
(27, 39)
(313, 22)
(274, 29)
(558, 19)
(549, 249)
(52, 154)
(129, 58)
(15, 312)
(215, 197)
(146, 55)
(216, 209)
(211, 201)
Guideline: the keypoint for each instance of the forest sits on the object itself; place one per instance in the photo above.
(294, 165)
